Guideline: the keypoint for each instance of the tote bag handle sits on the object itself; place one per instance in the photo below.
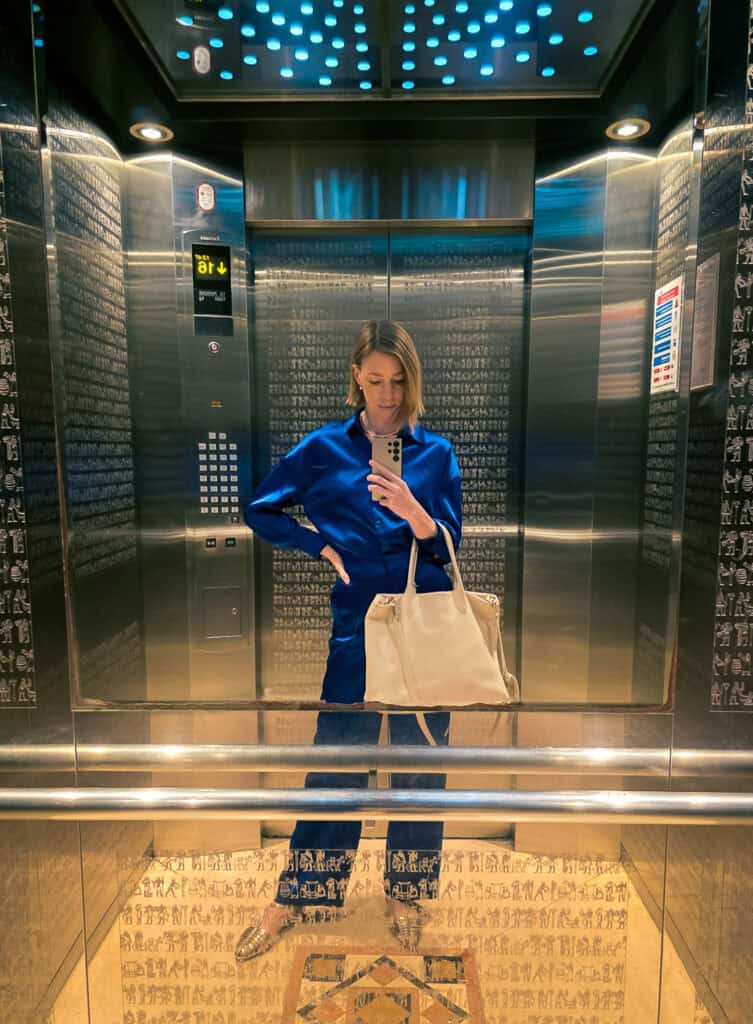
(457, 579)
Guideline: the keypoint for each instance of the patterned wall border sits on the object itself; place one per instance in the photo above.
(732, 687)
(17, 689)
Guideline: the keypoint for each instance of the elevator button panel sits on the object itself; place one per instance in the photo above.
(217, 464)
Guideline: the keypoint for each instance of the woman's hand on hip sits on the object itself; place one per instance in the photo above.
(332, 556)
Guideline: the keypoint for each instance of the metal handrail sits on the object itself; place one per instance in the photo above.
(656, 808)
(134, 757)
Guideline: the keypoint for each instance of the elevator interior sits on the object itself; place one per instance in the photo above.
(524, 250)
(501, 280)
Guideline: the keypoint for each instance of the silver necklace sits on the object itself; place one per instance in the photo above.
(373, 433)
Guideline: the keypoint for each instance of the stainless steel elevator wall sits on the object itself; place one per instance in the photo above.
(587, 391)
(403, 180)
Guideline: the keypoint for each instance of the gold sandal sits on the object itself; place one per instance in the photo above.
(407, 927)
(257, 939)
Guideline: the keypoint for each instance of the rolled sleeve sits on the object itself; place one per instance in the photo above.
(447, 509)
(284, 486)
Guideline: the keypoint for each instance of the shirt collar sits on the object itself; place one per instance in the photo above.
(353, 425)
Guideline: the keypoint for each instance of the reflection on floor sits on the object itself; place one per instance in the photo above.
(512, 939)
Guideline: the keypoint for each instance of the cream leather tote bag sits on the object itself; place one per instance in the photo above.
(441, 649)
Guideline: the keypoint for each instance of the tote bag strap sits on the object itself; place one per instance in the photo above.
(457, 580)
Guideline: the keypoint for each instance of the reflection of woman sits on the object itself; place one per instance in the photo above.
(330, 473)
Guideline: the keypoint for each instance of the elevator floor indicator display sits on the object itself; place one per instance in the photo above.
(211, 280)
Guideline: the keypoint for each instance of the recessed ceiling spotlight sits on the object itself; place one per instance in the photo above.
(148, 131)
(628, 128)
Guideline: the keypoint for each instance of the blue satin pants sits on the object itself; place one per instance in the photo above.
(321, 853)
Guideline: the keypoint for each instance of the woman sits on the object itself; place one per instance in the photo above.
(331, 474)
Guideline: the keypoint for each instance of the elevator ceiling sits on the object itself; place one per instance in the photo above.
(382, 49)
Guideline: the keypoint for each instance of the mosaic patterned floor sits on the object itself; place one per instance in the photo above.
(512, 939)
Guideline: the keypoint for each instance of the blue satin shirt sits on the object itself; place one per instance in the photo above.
(326, 474)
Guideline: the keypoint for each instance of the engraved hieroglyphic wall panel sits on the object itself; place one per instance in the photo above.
(463, 296)
(17, 676)
(662, 439)
(94, 402)
(311, 293)
(732, 685)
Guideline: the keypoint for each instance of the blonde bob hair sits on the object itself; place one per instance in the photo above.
(390, 337)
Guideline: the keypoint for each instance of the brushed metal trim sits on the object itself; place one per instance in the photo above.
(467, 224)
(571, 806)
(130, 757)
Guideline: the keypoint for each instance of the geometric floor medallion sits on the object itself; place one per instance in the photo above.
(357, 985)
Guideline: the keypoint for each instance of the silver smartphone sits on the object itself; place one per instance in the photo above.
(388, 452)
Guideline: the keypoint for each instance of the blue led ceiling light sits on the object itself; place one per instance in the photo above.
(474, 27)
(250, 59)
(286, 72)
(363, 65)
(338, 3)
(278, 20)
(506, 5)
(331, 62)
(301, 54)
(438, 19)
(547, 72)
(410, 9)
(453, 36)
(440, 61)
(183, 55)
(307, 8)
(262, 6)
(330, 20)
(362, 46)
(556, 39)
(470, 52)
(409, 46)
(325, 80)
(358, 9)
(408, 85)
(408, 27)
(448, 79)
(408, 65)
(585, 16)
(296, 29)
(498, 42)
(316, 37)
(225, 13)
(359, 28)
(185, 19)
(590, 51)
(227, 75)
(486, 70)
(522, 56)
(432, 42)
(273, 44)
(522, 28)
(216, 43)
(248, 31)
(338, 43)
(462, 7)
(491, 17)
(364, 85)
(543, 11)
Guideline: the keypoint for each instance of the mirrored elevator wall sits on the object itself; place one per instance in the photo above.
(592, 274)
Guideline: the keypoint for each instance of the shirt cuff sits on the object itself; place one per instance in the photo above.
(311, 542)
(433, 547)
